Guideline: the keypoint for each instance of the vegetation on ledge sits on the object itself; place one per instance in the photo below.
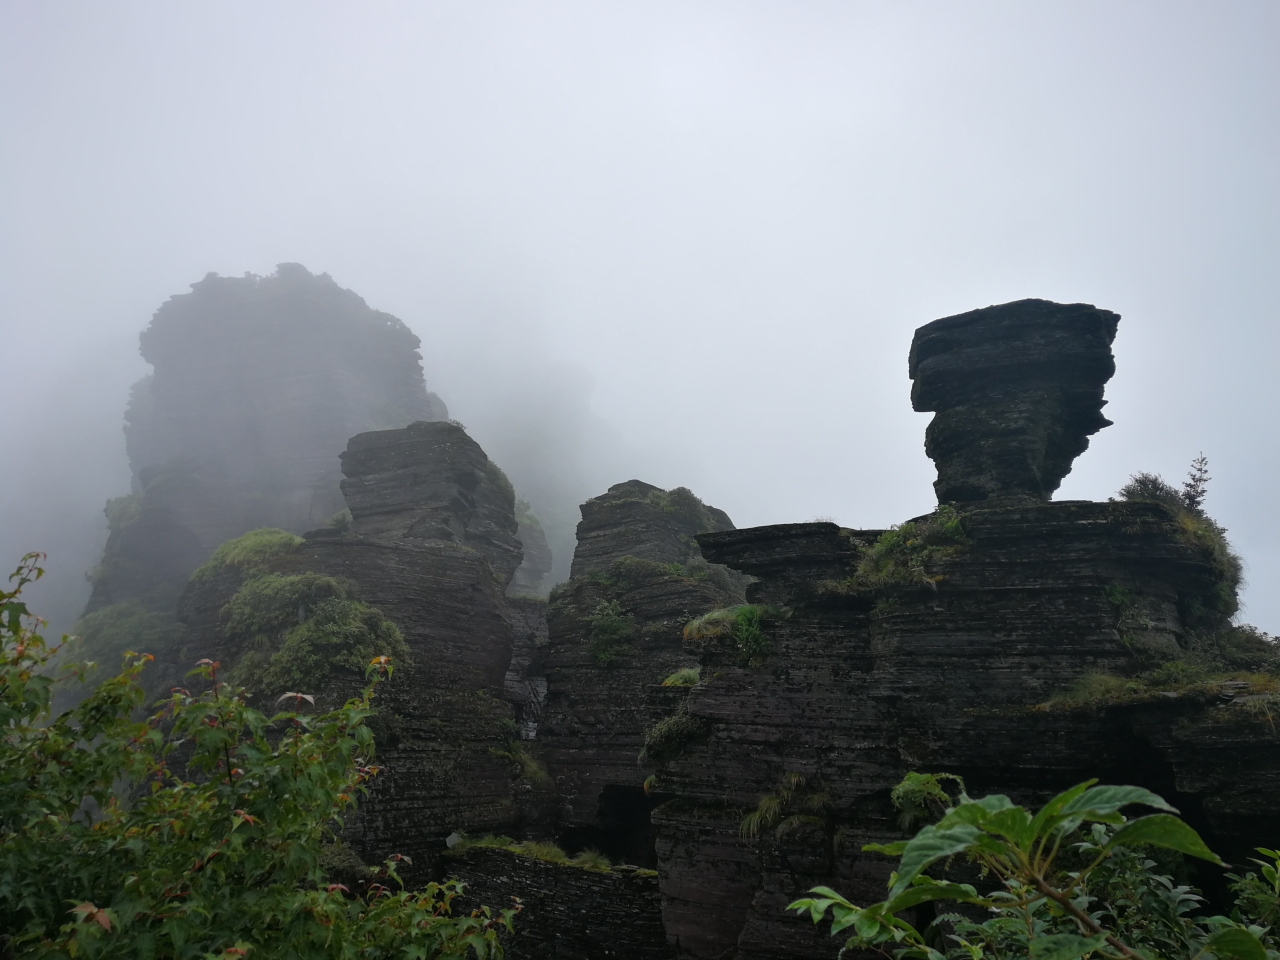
(293, 632)
(744, 623)
(589, 859)
(248, 552)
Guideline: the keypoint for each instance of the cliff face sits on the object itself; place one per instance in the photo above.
(614, 635)
(257, 384)
(939, 648)
(429, 510)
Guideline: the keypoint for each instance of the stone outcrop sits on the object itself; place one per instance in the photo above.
(637, 519)
(430, 481)
(941, 648)
(258, 382)
(614, 635)
(443, 726)
(568, 911)
(1017, 391)
(538, 561)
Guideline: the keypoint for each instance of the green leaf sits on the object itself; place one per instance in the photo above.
(1163, 830)
(925, 889)
(1236, 942)
(930, 845)
(888, 849)
(976, 812)
(1065, 946)
(1098, 803)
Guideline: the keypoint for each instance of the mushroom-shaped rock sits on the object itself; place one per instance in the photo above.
(1017, 391)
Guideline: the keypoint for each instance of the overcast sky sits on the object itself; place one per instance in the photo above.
(696, 236)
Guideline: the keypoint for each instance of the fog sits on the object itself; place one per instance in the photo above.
(686, 242)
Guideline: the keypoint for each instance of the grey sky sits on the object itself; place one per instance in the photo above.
(687, 242)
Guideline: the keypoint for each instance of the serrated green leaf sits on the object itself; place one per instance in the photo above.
(1163, 830)
(1065, 946)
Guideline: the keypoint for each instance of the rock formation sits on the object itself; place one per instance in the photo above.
(430, 481)
(431, 546)
(1017, 390)
(614, 637)
(258, 383)
(941, 647)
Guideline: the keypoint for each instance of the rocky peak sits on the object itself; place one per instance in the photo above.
(430, 481)
(1017, 391)
(637, 519)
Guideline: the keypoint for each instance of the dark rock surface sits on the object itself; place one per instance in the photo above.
(637, 519)
(443, 720)
(638, 572)
(430, 481)
(257, 384)
(949, 659)
(862, 687)
(568, 912)
(1017, 389)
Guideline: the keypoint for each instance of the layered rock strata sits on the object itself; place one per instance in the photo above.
(257, 384)
(443, 727)
(940, 648)
(614, 635)
(568, 911)
(1017, 390)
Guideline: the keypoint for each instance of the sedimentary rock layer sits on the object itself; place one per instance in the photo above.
(430, 481)
(1017, 390)
(944, 669)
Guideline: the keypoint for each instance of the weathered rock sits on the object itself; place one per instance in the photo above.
(637, 519)
(614, 636)
(893, 654)
(1018, 392)
(257, 384)
(430, 481)
(525, 682)
(538, 560)
(443, 726)
(567, 911)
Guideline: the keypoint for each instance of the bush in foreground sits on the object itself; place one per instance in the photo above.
(194, 833)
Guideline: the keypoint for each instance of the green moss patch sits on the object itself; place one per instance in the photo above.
(905, 554)
(744, 623)
(547, 852)
(250, 551)
(294, 632)
(669, 738)
(610, 629)
(105, 635)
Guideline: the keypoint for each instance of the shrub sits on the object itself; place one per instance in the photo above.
(744, 623)
(904, 554)
(109, 850)
(667, 739)
(248, 552)
(531, 767)
(783, 806)
(294, 632)
(685, 677)
(609, 630)
(1214, 608)
(1112, 903)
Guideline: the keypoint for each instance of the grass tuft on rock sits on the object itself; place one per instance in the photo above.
(247, 552)
(685, 677)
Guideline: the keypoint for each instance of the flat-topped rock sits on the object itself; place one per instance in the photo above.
(637, 519)
(430, 481)
(1017, 391)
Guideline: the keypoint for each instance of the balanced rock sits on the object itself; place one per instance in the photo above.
(1017, 391)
